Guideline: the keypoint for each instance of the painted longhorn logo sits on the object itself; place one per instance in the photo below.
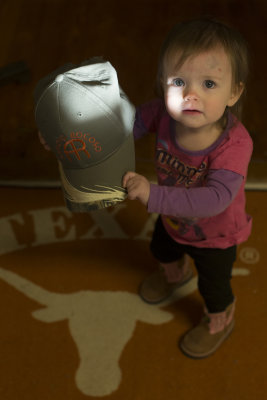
(114, 314)
(100, 322)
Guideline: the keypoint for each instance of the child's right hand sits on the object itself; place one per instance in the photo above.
(43, 142)
(138, 187)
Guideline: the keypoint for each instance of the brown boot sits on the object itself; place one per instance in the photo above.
(207, 337)
(156, 288)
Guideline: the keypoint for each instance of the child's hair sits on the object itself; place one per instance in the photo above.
(198, 35)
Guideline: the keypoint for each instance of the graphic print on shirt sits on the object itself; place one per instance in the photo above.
(186, 225)
(172, 171)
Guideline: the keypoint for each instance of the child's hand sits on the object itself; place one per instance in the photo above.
(43, 142)
(138, 187)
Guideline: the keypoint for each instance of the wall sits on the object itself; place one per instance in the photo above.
(48, 33)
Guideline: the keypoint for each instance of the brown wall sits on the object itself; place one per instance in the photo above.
(48, 33)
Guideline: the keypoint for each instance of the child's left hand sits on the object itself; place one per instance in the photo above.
(43, 142)
(138, 187)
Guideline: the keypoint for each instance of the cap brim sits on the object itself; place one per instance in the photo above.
(98, 186)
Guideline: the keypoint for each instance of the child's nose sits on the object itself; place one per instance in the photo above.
(190, 93)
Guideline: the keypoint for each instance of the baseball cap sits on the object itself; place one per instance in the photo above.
(87, 121)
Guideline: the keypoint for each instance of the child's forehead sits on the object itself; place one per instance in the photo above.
(175, 59)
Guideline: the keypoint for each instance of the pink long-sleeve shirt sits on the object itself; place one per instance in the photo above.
(200, 194)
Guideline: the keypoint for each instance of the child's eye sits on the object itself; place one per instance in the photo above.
(209, 84)
(178, 82)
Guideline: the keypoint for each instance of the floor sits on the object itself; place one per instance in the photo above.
(74, 328)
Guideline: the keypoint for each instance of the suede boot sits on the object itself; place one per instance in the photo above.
(203, 340)
(159, 286)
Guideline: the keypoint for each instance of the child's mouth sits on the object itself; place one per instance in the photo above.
(192, 112)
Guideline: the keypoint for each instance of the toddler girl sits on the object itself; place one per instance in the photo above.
(202, 155)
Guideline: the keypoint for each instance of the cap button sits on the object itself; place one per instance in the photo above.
(59, 78)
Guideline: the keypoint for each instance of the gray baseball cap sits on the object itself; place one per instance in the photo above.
(87, 121)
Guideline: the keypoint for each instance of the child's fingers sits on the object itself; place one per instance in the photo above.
(43, 142)
(129, 175)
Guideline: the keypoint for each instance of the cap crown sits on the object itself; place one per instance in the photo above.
(84, 115)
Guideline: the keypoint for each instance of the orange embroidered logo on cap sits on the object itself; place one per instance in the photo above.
(89, 138)
(71, 144)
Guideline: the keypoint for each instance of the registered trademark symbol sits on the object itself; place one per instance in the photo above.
(249, 255)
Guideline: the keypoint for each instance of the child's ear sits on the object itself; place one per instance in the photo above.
(236, 93)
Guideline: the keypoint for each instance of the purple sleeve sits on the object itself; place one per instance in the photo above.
(139, 128)
(147, 117)
(220, 190)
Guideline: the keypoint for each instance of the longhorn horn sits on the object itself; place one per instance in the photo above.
(28, 288)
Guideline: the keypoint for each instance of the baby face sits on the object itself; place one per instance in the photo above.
(197, 92)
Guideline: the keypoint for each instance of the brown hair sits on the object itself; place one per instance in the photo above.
(198, 35)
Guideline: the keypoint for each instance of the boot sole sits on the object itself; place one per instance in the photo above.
(212, 351)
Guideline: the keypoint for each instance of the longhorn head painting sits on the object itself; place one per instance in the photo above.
(100, 323)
